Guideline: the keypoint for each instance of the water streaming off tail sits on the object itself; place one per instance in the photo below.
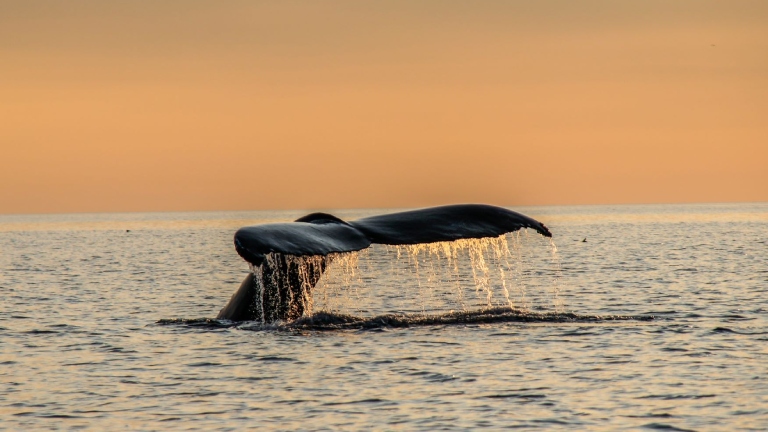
(433, 278)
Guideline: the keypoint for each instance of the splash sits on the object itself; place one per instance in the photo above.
(298, 274)
(442, 277)
(557, 277)
(488, 257)
(340, 286)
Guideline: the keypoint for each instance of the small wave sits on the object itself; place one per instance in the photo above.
(37, 331)
(198, 322)
(334, 321)
(515, 396)
(740, 332)
(362, 401)
(666, 427)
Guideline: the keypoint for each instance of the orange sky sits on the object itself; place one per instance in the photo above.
(230, 105)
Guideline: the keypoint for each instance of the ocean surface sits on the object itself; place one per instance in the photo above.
(635, 317)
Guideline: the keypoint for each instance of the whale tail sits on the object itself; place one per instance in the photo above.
(289, 258)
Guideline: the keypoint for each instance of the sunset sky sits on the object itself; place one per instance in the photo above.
(247, 105)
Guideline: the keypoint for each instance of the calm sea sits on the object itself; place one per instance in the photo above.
(102, 327)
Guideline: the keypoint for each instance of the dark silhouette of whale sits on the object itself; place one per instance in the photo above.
(289, 258)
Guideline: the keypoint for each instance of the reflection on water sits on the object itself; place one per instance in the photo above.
(80, 343)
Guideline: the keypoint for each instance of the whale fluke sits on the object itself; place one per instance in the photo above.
(291, 257)
(446, 223)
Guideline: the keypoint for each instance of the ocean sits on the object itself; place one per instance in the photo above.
(633, 317)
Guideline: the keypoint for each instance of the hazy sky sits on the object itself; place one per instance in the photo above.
(226, 105)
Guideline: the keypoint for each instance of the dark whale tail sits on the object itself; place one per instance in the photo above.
(291, 257)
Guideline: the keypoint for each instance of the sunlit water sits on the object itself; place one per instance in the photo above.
(102, 326)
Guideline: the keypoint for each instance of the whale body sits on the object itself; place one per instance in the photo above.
(290, 257)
